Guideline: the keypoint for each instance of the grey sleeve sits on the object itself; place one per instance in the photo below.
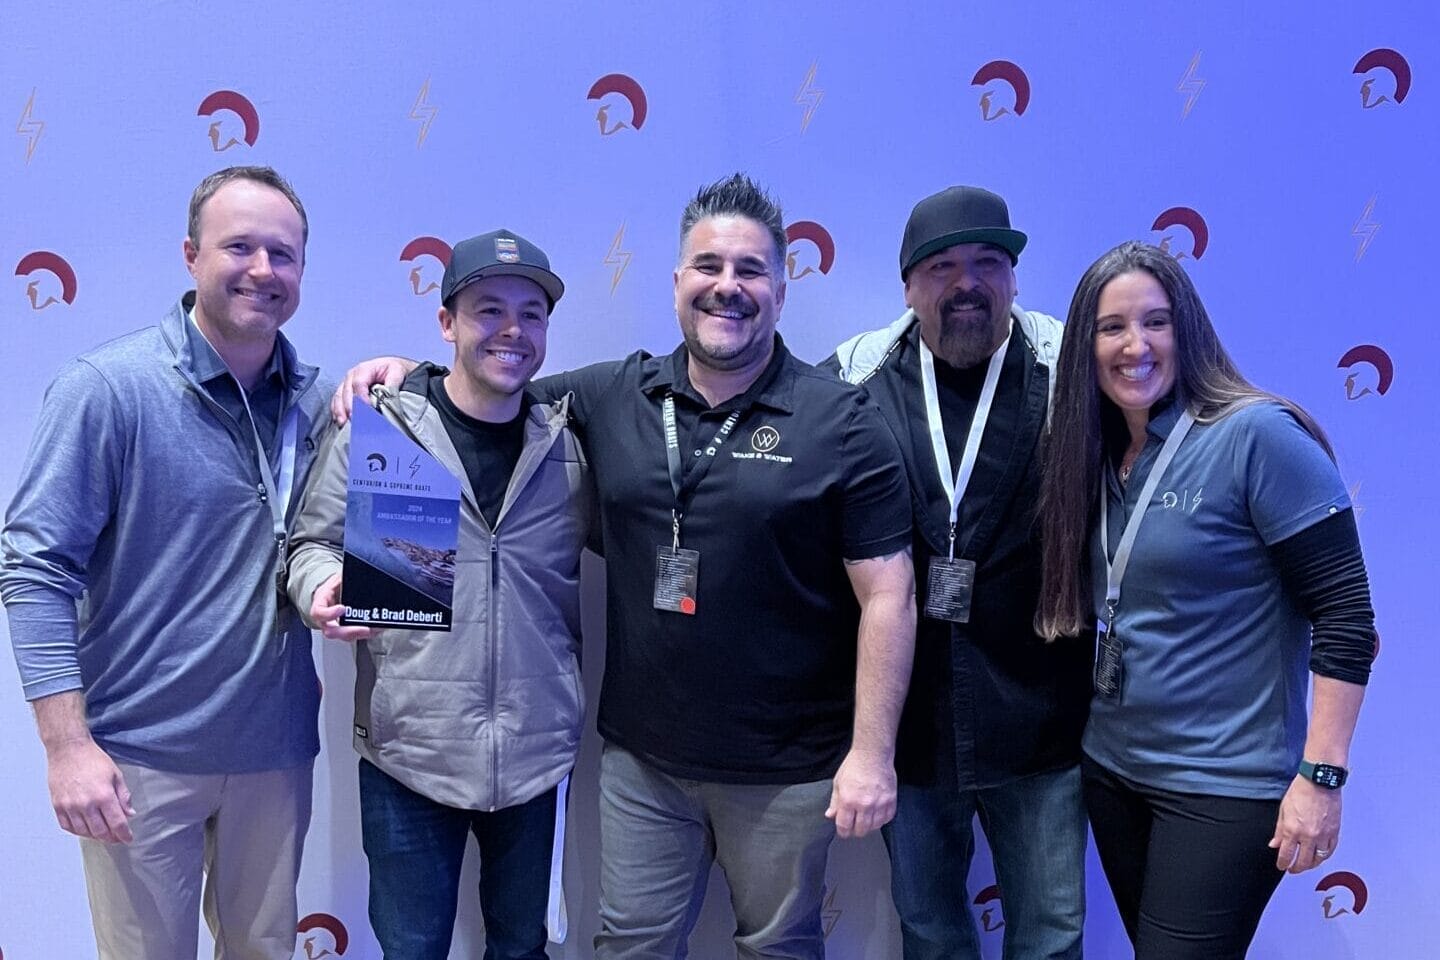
(317, 539)
(66, 496)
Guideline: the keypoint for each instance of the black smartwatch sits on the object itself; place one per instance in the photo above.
(1325, 775)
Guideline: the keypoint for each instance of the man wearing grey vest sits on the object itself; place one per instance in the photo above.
(470, 730)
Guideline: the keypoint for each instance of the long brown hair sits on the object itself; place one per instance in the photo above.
(1084, 424)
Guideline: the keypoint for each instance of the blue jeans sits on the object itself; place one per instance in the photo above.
(415, 847)
(1036, 829)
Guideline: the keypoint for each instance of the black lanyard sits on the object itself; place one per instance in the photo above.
(681, 483)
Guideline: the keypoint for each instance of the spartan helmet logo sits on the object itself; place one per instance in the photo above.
(322, 935)
(765, 439)
(988, 900)
(1334, 886)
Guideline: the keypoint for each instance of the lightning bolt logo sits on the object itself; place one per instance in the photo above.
(829, 914)
(619, 259)
(1365, 228)
(30, 127)
(809, 96)
(1355, 506)
(424, 112)
(1191, 85)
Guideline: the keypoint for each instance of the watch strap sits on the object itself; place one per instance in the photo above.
(1328, 775)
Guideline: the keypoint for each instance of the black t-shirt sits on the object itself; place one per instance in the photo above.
(489, 451)
(959, 393)
(989, 701)
(758, 685)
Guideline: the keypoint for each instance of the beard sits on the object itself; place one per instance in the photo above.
(970, 338)
(722, 356)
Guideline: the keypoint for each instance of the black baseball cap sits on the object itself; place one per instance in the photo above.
(499, 253)
(958, 215)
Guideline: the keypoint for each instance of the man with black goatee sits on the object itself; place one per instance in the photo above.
(994, 715)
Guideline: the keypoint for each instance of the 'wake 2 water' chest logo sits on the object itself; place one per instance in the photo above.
(764, 445)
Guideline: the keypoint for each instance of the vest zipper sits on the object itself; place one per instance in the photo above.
(492, 616)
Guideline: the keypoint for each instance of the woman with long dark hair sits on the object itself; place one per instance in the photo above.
(1198, 526)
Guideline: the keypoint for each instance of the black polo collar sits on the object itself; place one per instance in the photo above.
(774, 388)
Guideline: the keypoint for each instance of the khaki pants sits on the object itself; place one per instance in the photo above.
(244, 832)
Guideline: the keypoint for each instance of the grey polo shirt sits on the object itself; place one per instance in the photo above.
(1215, 653)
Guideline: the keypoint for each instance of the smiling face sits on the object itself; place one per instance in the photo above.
(498, 326)
(247, 262)
(1134, 345)
(962, 296)
(728, 292)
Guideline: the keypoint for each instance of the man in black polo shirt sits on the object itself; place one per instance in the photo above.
(732, 695)
(755, 521)
(993, 719)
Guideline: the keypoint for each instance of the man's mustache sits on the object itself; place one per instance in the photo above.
(965, 299)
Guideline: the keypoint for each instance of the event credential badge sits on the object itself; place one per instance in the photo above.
(402, 528)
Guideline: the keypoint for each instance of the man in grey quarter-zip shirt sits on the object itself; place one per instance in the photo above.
(172, 683)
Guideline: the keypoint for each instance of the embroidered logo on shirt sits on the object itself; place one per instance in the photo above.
(765, 439)
(1183, 500)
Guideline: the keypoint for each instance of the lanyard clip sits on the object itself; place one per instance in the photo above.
(1110, 616)
(675, 529)
(952, 541)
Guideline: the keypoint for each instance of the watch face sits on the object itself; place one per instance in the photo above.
(1329, 776)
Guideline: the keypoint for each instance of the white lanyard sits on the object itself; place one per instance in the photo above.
(1115, 572)
(955, 489)
(278, 500)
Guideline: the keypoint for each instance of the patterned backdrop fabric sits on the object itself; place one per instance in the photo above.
(1284, 151)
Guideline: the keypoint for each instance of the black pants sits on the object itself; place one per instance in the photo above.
(1191, 873)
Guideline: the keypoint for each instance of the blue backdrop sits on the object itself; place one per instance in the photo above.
(1283, 150)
